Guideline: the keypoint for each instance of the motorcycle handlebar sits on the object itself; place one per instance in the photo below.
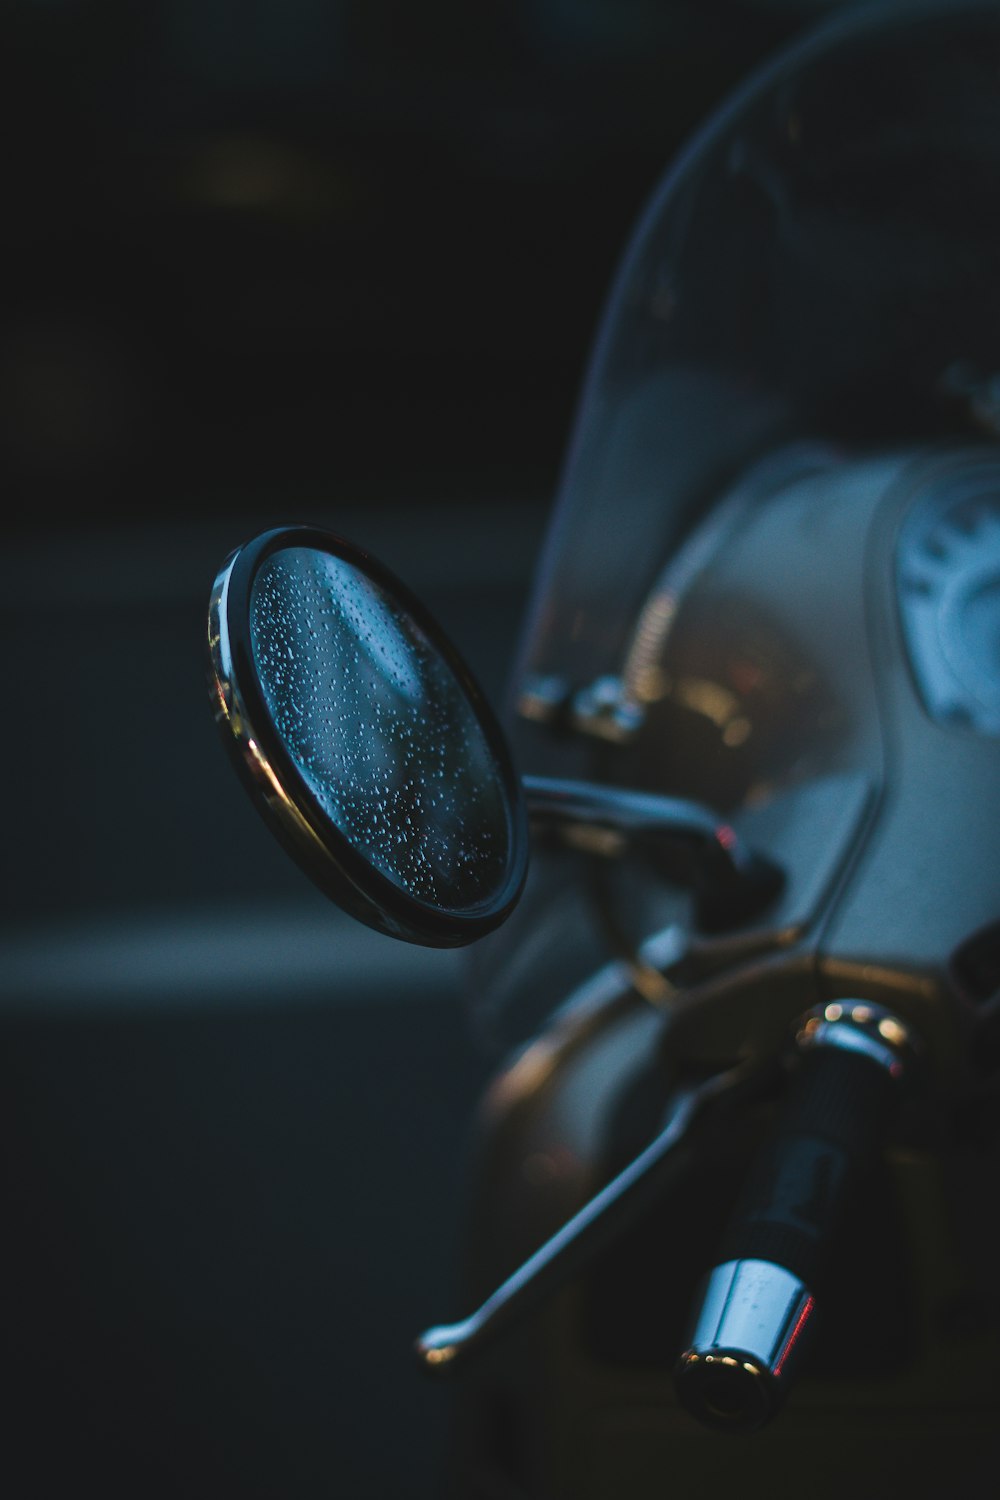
(757, 1305)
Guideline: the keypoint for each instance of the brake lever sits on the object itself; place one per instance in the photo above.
(574, 1247)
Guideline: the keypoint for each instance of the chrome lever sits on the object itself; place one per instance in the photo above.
(576, 1245)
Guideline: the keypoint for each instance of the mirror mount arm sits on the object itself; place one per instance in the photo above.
(687, 841)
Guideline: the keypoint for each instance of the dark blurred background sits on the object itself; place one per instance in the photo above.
(326, 260)
(336, 247)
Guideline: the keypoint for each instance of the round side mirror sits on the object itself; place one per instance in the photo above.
(364, 740)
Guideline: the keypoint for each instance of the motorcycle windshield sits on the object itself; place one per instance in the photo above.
(821, 263)
(819, 270)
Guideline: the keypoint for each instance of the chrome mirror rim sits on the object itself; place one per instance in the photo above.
(279, 791)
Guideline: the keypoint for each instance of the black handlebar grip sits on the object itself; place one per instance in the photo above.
(758, 1302)
(835, 1117)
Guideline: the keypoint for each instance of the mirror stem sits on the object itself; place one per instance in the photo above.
(688, 842)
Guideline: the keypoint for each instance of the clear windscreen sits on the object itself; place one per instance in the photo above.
(820, 264)
(817, 272)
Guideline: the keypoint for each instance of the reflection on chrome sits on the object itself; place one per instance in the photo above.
(749, 1323)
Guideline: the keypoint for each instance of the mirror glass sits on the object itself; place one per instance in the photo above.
(382, 728)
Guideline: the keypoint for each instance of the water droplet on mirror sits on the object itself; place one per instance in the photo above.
(386, 715)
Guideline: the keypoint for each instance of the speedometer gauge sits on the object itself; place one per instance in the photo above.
(948, 577)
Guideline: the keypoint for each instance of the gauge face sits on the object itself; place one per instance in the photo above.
(948, 577)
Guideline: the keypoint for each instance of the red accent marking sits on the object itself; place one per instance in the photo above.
(745, 676)
(725, 835)
(800, 1323)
